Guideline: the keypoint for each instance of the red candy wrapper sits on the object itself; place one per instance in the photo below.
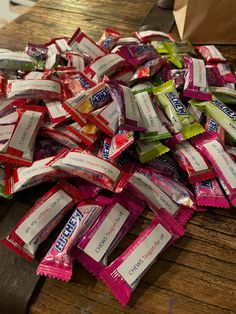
(94, 169)
(20, 146)
(192, 161)
(150, 35)
(58, 263)
(56, 112)
(107, 232)
(210, 53)
(209, 193)
(82, 43)
(88, 133)
(109, 39)
(75, 60)
(78, 82)
(41, 219)
(224, 165)
(123, 275)
(212, 126)
(196, 83)
(120, 141)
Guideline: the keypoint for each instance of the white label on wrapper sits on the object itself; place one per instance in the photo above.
(106, 232)
(193, 156)
(149, 116)
(131, 108)
(56, 109)
(63, 45)
(25, 130)
(224, 162)
(74, 159)
(20, 86)
(88, 47)
(152, 33)
(110, 113)
(101, 66)
(214, 52)
(16, 56)
(199, 73)
(10, 118)
(6, 132)
(38, 167)
(77, 62)
(153, 193)
(43, 215)
(34, 75)
(144, 254)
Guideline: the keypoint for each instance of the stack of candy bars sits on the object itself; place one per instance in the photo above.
(118, 124)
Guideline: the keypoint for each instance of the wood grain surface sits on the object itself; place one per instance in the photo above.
(198, 274)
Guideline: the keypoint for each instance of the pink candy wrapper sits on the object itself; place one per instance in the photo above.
(159, 191)
(123, 275)
(41, 219)
(196, 83)
(84, 164)
(209, 193)
(58, 263)
(192, 161)
(223, 164)
(226, 73)
(211, 54)
(212, 126)
(110, 228)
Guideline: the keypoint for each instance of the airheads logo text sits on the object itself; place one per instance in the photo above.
(98, 98)
(176, 103)
(206, 184)
(224, 109)
(68, 230)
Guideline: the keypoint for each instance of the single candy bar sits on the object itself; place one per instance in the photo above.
(105, 65)
(106, 118)
(87, 101)
(218, 111)
(192, 161)
(56, 112)
(41, 219)
(123, 275)
(12, 60)
(107, 232)
(180, 118)
(82, 43)
(196, 83)
(20, 146)
(147, 151)
(58, 263)
(150, 35)
(109, 39)
(226, 73)
(94, 169)
(225, 94)
(223, 164)
(38, 89)
(210, 53)
(209, 193)
(18, 179)
(159, 191)
(155, 130)
(77, 82)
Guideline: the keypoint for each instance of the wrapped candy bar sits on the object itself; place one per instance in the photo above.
(218, 111)
(58, 263)
(109, 39)
(180, 118)
(38, 89)
(149, 35)
(81, 163)
(82, 43)
(155, 130)
(120, 141)
(87, 101)
(105, 65)
(223, 164)
(41, 219)
(226, 73)
(192, 161)
(209, 193)
(78, 82)
(20, 146)
(75, 60)
(12, 60)
(56, 112)
(195, 82)
(123, 275)
(225, 94)
(109, 229)
(18, 179)
(159, 191)
(210, 53)
(149, 150)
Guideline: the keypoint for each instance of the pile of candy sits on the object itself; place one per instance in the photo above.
(143, 117)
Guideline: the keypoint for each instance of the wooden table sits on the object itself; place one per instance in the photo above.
(198, 274)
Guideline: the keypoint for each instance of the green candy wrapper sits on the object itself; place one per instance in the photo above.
(182, 121)
(148, 151)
